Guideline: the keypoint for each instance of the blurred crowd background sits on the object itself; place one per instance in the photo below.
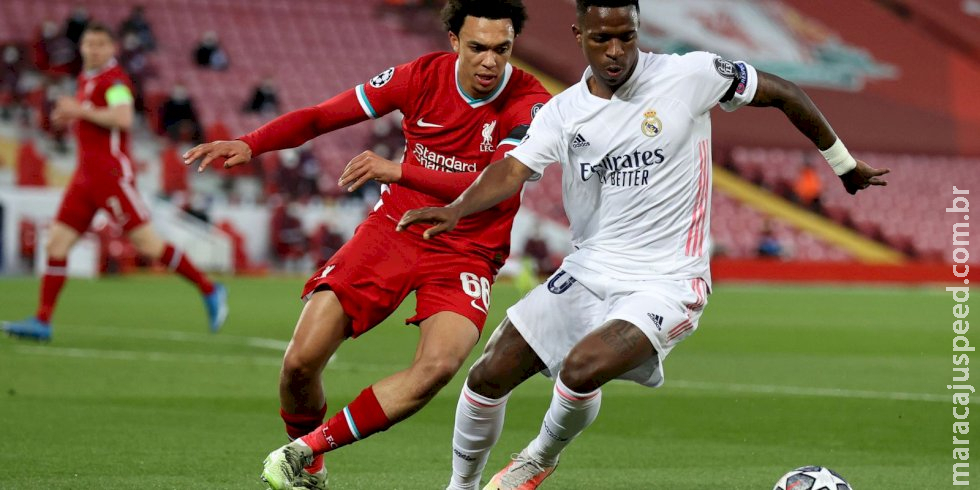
(896, 78)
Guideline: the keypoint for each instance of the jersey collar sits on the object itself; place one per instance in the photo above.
(626, 90)
(98, 71)
(474, 103)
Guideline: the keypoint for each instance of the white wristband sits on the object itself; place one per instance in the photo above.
(839, 158)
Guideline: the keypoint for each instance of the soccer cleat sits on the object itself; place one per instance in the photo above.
(217, 305)
(31, 328)
(284, 466)
(311, 481)
(523, 473)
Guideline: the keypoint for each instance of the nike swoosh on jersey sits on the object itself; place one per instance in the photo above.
(423, 124)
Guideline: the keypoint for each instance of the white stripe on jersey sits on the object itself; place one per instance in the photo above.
(134, 199)
(695, 235)
(116, 151)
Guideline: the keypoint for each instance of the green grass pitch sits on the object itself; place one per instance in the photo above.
(134, 393)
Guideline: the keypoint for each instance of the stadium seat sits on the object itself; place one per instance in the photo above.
(304, 44)
(885, 214)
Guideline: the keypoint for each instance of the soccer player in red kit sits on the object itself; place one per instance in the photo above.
(102, 111)
(462, 111)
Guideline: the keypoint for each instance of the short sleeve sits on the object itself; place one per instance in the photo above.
(519, 115)
(387, 91)
(715, 80)
(118, 94)
(540, 146)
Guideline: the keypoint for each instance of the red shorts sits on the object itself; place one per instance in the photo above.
(374, 272)
(86, 195)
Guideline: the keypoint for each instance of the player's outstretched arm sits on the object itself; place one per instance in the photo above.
(788, 97)
(286, 131)
(498, 181)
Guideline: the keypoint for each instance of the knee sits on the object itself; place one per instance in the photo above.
(297, 370)
(56, 249)
(579, 372)
(145, 250)
(481, 376)
(489, 379)
(148, 247)
(433, 374)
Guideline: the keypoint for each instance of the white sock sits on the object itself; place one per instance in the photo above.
(569, 414)
(479, 421)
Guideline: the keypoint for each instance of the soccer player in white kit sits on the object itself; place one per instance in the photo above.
(634, 141)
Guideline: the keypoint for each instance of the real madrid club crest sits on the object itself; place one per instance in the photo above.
(652, 125)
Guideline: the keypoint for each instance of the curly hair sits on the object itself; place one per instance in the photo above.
(456, 11)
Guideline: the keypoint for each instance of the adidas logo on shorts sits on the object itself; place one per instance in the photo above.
(657, 320)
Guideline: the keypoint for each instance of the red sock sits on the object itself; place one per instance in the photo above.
(174, 260)
(51, 283)
(356, 421)
(300, 424)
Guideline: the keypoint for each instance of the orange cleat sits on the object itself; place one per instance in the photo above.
(523, 473)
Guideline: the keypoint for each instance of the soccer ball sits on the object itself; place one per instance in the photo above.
(812, 478)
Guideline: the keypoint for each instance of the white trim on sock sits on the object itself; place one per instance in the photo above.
(567, 393)
(175, 260)
(481, 401)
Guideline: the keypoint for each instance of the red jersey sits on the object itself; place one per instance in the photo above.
(102, 152)
(449, 131)
(450, 139)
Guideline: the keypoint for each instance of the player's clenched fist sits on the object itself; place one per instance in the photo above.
(445, 219)
(369, 166)
(234, 152)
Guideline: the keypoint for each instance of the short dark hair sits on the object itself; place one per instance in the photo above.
(583, 5)
(456, 11)
(100, 27)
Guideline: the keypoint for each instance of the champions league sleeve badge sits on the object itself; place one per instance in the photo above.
(725, 68)
(534, 110)
(382, 78)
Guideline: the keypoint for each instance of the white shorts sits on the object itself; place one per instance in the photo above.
(558, 314)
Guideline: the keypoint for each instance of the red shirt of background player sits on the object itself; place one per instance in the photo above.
(102, 152)
(105, 177)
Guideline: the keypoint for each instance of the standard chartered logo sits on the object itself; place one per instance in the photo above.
(630, 169)
(435, 161)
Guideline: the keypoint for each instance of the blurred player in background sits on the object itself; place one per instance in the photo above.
(102, 113)
(462, 110)
(633, 138)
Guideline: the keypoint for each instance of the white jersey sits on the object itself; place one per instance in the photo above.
(636, 169)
